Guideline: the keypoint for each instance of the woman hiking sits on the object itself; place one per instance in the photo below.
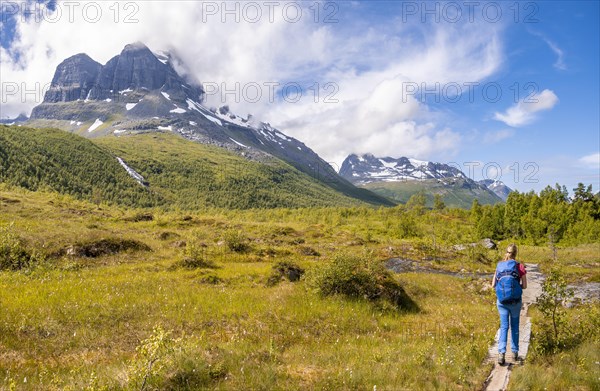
(509, 281)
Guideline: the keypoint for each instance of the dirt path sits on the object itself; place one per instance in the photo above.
(498, 379)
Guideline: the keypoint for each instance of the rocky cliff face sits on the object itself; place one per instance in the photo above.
(73, 79)
(136, 68)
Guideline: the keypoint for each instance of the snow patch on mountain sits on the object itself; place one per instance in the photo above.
(178, 110)
(96, 125)
(238, 143)
(132, 172)
(162, 57)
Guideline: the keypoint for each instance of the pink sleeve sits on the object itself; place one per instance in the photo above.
(522, 270)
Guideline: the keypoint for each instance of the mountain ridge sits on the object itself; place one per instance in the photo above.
(400, 178)
(139, 91)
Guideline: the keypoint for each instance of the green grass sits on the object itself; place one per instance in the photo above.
(574, 367)
(72, 322)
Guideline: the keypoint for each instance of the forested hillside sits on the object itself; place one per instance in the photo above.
(178, 173)
(46, 159)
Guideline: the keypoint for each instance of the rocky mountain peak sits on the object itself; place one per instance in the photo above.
(135, 46)
(73, 79)
(368, 168)
(135, 69)
(498, 187)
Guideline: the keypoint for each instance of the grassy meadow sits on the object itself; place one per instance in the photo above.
(146, 319)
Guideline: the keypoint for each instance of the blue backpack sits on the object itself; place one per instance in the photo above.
(508, 288)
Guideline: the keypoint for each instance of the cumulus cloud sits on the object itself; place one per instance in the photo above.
(591, 161)
(525, 111)
(353, 80)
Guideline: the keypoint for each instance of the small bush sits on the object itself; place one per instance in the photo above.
(211, 279)
(195, 263)
(138, 217)
(358, 277)
(287, 270)
(194, 257)
(308, 251)
(154, 354)
(14, 255)
(555, 330)
(236, 241)
(102, 247)
(167, 235)
(283, 231)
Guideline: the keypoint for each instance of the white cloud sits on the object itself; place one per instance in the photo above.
(560, 54)
(524, 112)
(591, 161)
(369, 67)
(493, 137)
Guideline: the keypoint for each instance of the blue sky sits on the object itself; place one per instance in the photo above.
(548, 53)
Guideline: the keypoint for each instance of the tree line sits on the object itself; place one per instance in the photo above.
(550, 216)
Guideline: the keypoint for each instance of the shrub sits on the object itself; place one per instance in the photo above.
(139, 217)
(236, 241)
(287, 270)
(577, 325)
(167, 235)
(358, 277)
(211, 279)
(194, 257)
(153, 355)
(13, 253)
(308, 251)
(102, 247)
(555, 293)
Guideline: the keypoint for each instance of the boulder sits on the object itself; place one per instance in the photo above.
(489, 244)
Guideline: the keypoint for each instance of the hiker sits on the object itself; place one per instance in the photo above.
(509, 281)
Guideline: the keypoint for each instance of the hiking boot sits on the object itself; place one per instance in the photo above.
(516, 357)
(501, 358)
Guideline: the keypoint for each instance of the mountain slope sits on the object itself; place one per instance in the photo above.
(498, 187)
(159, 169)
(42, 159)
(399, 179)
(139, 91)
